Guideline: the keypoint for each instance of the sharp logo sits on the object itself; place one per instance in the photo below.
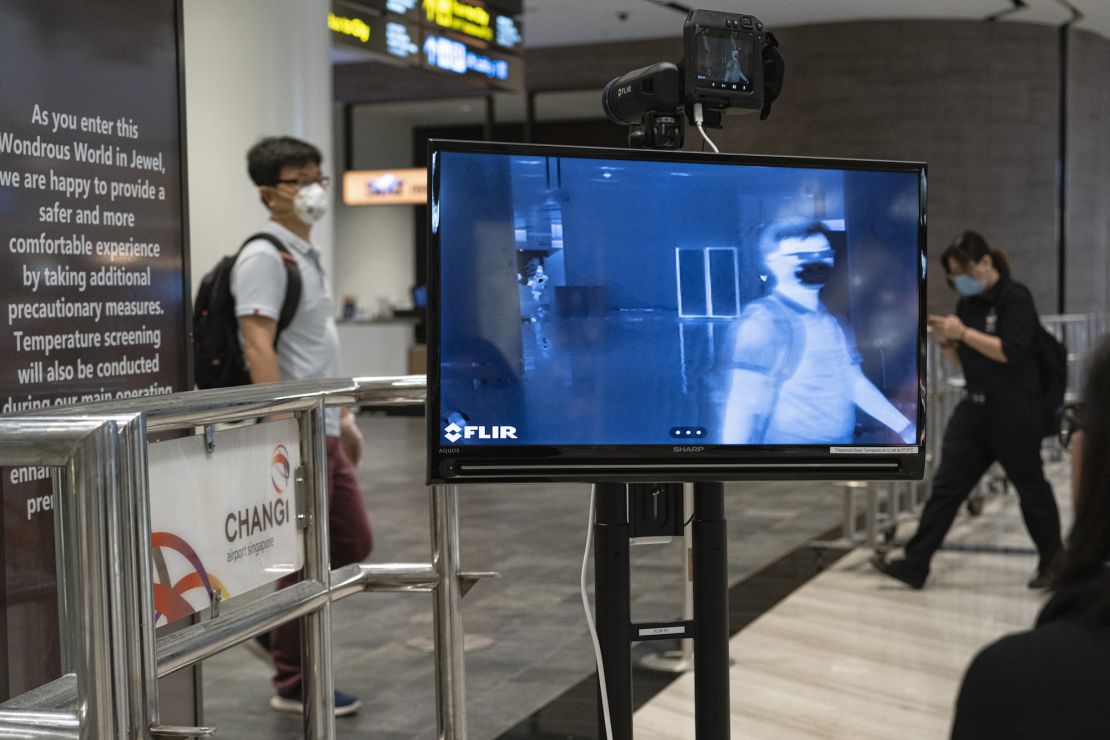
(453, 432)
(689, 449)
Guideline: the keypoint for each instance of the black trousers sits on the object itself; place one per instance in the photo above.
(978, 434)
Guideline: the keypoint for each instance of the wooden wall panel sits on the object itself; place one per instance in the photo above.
(1088, 236)
(976, 101)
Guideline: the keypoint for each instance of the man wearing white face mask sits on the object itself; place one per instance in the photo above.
(294, 191)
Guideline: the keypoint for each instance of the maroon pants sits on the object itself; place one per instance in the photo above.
(350, 542)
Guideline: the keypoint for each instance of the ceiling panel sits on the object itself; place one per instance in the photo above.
(566, 22)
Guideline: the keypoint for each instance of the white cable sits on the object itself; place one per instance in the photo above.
(590, 620)
(698, 121)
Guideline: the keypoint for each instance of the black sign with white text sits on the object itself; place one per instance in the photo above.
(92, 254)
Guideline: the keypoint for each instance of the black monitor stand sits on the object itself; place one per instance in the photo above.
(709, 628)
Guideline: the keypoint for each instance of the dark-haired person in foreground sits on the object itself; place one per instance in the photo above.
(1053, 682)
(294, 191)
(991, 335)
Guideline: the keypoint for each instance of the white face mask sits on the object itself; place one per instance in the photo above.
(311, 203)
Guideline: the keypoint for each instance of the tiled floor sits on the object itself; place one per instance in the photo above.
(854, 655)
(848, 656)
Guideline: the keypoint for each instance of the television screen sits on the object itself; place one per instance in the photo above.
(605, 314)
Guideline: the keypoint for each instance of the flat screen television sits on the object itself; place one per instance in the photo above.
(635, 315)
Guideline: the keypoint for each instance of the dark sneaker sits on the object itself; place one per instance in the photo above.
(345, 704)
(1040, 579)
(1046, 571)
(1042, 576)
(899, 569)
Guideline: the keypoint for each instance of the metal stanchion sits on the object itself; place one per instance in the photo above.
(316, 673)
(92, 480)
(447, 615)
(142, 649)
(871, 521)
(850, 525)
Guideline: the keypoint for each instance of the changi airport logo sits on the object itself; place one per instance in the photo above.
(453, 432)
(280, 469)
(253, 520)
(169, 598)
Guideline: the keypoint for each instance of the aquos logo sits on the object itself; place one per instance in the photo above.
(453, 432)
(280, 469)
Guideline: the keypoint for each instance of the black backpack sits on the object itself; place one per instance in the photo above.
(217, 356)
(1051, 357)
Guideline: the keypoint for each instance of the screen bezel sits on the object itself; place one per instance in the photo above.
(673, 462)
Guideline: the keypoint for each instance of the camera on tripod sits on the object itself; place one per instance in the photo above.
(729, 61)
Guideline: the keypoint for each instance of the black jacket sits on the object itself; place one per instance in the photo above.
(1005, 311)
(1050, 683)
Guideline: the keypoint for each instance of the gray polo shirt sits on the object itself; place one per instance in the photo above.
(308, 349)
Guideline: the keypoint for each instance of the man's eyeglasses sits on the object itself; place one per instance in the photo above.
(1071, 421)
(322, 181)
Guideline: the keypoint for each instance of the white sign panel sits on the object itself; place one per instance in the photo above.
(223, 521)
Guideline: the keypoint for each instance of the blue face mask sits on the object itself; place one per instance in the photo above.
(967, 285)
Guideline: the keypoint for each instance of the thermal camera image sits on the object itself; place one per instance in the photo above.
(588, 301)
(724, 59)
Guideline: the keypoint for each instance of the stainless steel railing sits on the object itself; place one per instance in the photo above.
(111, 659)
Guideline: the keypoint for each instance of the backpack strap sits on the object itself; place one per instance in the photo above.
(787, 359)
(790, 355)
(293, 283)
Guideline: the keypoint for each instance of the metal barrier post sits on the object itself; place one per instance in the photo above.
(450, 658)
(316, 673)
(86, 491)
(87, 498)
(849, 525)
(871, 523)
(138, 607)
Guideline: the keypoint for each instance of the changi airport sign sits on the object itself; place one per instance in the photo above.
(475, 38)
(92, 257)
(385, 187)
(225, 521)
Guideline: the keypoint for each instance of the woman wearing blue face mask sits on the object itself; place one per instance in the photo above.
(991, 336)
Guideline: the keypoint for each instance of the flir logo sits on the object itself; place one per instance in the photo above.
(453, 432)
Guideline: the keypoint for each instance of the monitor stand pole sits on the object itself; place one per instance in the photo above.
(709, 629)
